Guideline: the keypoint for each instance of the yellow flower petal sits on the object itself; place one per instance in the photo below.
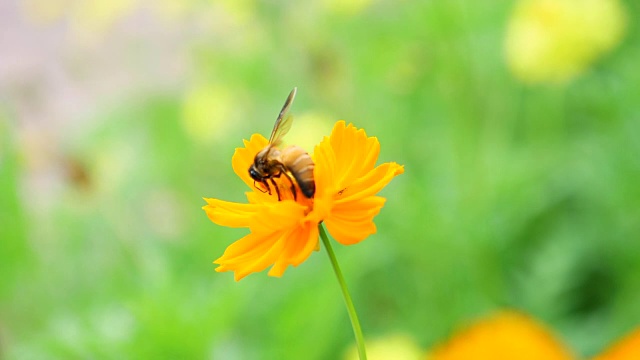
(508, 335)
(324, 175)
(356, 153)
(278, 216)
(252, 253)
(301, 242)
(277, 237)
(256, 252)
(231, 214)
(352, 222)
(348, 233)
(371, 183)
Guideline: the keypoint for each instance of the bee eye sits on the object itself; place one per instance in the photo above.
(253, 173)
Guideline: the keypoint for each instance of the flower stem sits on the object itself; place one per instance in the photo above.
(355, 323)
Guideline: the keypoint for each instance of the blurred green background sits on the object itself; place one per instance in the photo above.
(117, 117)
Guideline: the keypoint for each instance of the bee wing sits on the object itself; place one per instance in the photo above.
(281, 129)
(284, 121)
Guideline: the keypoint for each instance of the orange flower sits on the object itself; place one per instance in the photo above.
(626, 349)
(284, 233)
(508, 335)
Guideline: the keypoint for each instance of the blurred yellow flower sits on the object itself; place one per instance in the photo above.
(505, 336)
(209, 112)
(347, 7)
(285, 232)
(627, 349)
(396, 347)
(309, 128)
(556, 40)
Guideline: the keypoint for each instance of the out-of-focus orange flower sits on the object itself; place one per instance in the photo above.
(285, 232)
(627, 349)
(505, 336)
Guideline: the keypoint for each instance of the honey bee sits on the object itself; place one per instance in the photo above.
(293, 162)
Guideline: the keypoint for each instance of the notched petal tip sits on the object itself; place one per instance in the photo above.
(355, 153)
(398, 169)
(277, 271)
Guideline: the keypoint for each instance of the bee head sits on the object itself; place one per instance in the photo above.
(254, 173)
(257, 169)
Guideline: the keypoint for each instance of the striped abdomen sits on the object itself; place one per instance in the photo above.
(299, 163)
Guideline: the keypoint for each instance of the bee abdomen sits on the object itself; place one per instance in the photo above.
(307, 185)
(299, 163)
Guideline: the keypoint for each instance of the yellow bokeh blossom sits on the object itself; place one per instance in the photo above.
(505, 336)
(394, 346)
(285, 232)
(209, 112)
(554, 41)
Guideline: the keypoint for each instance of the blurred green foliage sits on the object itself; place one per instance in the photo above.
(514, 196)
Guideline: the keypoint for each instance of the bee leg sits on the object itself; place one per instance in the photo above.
(283, 170)
(273, 182)
(293, 186)
(261, 189)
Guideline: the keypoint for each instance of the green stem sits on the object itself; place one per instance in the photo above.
(355, 323)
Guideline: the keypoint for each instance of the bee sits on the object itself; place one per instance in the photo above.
(293, 162)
